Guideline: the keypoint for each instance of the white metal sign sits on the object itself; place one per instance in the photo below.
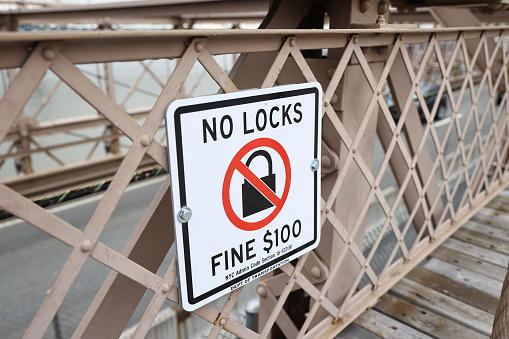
(245, 184)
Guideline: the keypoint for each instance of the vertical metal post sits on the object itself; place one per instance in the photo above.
(353, 97)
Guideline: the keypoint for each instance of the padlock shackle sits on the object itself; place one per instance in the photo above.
(264, 154)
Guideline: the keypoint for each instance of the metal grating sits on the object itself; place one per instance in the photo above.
(341, 277)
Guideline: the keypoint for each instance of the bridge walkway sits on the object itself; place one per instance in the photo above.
(454, 291)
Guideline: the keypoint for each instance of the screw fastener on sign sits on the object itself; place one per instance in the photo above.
(315, 164)
(184, 214)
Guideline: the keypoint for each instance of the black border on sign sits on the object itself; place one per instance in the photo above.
(182, 188)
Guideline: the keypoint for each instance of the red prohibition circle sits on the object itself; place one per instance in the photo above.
(237, 165)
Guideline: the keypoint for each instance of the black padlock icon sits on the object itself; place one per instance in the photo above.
(252, 200)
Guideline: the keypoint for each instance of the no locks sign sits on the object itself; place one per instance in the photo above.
(245, 185)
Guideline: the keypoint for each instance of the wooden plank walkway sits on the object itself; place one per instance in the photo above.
(454, 293)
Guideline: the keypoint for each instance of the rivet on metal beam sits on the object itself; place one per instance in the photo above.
(354, 150)
(144, 140)
(292, 42)
(222, 321)
(315, 272)
(383, 7)
(261, 291)
(198, 47)
(297, 275)
(86, 245)
(364, 6)
(326, 161)
(165, 288)
(48, 54)
(355, 40)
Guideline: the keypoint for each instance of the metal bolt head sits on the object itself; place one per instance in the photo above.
(86, 245)
(184, 214)
(383, 7)
(145, 140)
(316, 272)
(261, 291)
(315, 164)
(364, 6)
(326, 161)
(165, 288)
(48, 54)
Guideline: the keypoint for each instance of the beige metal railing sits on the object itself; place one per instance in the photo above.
(438, 173)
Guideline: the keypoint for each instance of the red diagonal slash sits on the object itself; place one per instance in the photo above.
(258, 183)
